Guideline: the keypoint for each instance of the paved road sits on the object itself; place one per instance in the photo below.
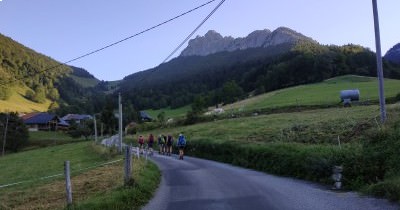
(196, 184)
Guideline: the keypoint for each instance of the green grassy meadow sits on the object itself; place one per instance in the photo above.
(50, 138)
(270, 128)
(18, 103)
(47, 161)
(324, 93)
(94, 186)
(169, 113)
(85, 82)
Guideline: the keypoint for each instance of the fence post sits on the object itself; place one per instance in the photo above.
(68, 182)
(128, 165)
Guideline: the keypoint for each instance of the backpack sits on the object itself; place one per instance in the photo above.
(169, 140)
(181, 141)
(141, 140)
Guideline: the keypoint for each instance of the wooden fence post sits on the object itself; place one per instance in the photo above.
(68, 182)
(128, 165)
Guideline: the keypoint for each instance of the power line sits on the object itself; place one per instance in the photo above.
(112, 44)
(194, 31)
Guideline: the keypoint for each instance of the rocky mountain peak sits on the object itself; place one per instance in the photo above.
(213, 42)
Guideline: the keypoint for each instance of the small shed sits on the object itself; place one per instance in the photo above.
(144, 116)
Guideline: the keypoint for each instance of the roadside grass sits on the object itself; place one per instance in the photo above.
(33, 164)
(324, 93)
(146, 177)
(169, 113)
(18, 103)
(100, 187)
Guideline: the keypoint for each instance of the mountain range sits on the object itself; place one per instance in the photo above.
(211, 64)
(213, 42)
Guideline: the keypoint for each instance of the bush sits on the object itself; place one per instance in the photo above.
(17, 133)
(307, 162)
(5, 93)
(389, 189)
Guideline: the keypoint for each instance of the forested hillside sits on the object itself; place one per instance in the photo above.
(37, 80)
(228, 76)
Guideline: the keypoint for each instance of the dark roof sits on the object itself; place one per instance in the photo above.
(144, 115)
(76, 117)
(29, 115)
(41, 118)
(63, 123)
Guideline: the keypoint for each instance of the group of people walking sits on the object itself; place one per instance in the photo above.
(165, 144)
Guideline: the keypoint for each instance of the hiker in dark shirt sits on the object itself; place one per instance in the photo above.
(170, 141)
(150, 142)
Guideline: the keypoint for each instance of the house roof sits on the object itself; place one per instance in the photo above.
(69, 117)
(144, 115)
(41, 118)
(29, 115)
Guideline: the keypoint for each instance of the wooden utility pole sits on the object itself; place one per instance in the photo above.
(120, 122)
(128, 165)
(95, 128)
(68, 187)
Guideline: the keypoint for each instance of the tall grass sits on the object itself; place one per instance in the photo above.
(94, 186)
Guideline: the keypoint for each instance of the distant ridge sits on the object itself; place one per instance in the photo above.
(393, 54)
(213, 42)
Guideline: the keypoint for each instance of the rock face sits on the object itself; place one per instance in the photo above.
(393, 54)
(213, 42)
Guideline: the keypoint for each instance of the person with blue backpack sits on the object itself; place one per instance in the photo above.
(181, 145)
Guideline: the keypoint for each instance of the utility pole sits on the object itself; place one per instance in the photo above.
(379, 62)
(120, 122)
(95, 128)
(5, 136)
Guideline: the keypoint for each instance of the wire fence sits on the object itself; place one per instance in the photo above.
(59, 174)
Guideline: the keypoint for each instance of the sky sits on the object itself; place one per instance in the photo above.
(66, 29)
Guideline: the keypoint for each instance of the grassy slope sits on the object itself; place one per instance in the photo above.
(17, 102)
(267, 128)
(85, 82)
(327, 92)
(44, 162)
(169, 113)
(94, 188)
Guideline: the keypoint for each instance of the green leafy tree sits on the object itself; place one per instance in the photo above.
(161, 117)
(40, 94)
(84, 128)
(17, 133)
(108, 118)
(5, 93)
(231, 92)
(53, 94)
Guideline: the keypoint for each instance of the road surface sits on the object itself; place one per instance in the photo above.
(197, 184)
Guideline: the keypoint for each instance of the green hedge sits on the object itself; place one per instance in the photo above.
(310, 162)
(372, 165)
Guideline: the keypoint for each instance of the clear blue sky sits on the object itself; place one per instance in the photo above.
(65, 29)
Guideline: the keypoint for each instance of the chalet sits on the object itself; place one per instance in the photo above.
(43, 121)
(144, 116)
(77, 118)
